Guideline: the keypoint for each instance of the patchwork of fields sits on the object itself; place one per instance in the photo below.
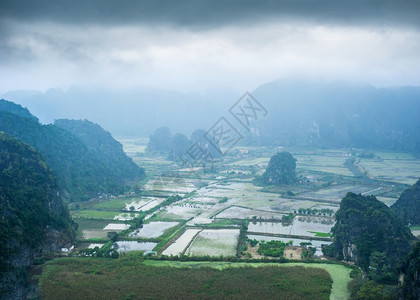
(214, 208)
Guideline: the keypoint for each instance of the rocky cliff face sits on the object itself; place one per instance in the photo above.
(370, 234)
(407, 206)
(33, 218)
(411, 274)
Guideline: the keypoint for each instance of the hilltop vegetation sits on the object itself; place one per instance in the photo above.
(103, 146)
(15, 109)
(81, 172)
(280, 170)
(411, 270)
(407, 206)
(370, 234)
(33, 218)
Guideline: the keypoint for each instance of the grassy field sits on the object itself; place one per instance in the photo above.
(340, 274)
(95, 214)
(129, 278)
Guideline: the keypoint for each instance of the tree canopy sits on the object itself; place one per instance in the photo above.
(407, 206)
(82, 171)
(369, 233)
(30, 207)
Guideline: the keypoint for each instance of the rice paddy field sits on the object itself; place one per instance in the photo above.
(206, 219)
(181, 243)
(236, 212)
(153, 229)
(337, 192)
(301, 226)
(395, 167)
(216, 242)
(323, 161)
(93, 229)
(128, 246)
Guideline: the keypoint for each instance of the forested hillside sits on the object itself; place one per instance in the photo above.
(15, 109)
(104, 146)
(370, 234)
(33, 218)
(407, 206)
(81, 172)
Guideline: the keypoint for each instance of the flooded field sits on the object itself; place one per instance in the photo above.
(116, 226)
(215, 243)
(323, 161)
(127, 246)
(336, 193)
(269, 227)
(393, 166)
(235, 212)
(309, 226)
(153, 229)
(301, 226)
(181, 243)
(183, 211)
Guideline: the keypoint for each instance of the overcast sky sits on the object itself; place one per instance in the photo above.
(203, 45)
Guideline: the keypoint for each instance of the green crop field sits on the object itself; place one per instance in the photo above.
(95, 214)
(340, 274)
(130, 278)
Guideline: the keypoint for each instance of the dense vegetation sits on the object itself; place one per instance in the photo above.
(280, 170)
(15, 109)
(369, 233)
(411, 270)
(407, 206)
(129, 278)
(271, 248)
(33, 218)
(103, 146)
(81, 174)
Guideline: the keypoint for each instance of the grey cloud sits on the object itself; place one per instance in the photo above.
(215, 13)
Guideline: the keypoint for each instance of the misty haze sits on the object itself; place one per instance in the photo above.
(209, 149)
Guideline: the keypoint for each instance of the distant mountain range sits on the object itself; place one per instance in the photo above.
(311, 113)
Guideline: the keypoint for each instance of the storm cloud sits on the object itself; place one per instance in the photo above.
(199, 45)
(214, 13)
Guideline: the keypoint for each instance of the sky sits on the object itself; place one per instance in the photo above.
(197, 46)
